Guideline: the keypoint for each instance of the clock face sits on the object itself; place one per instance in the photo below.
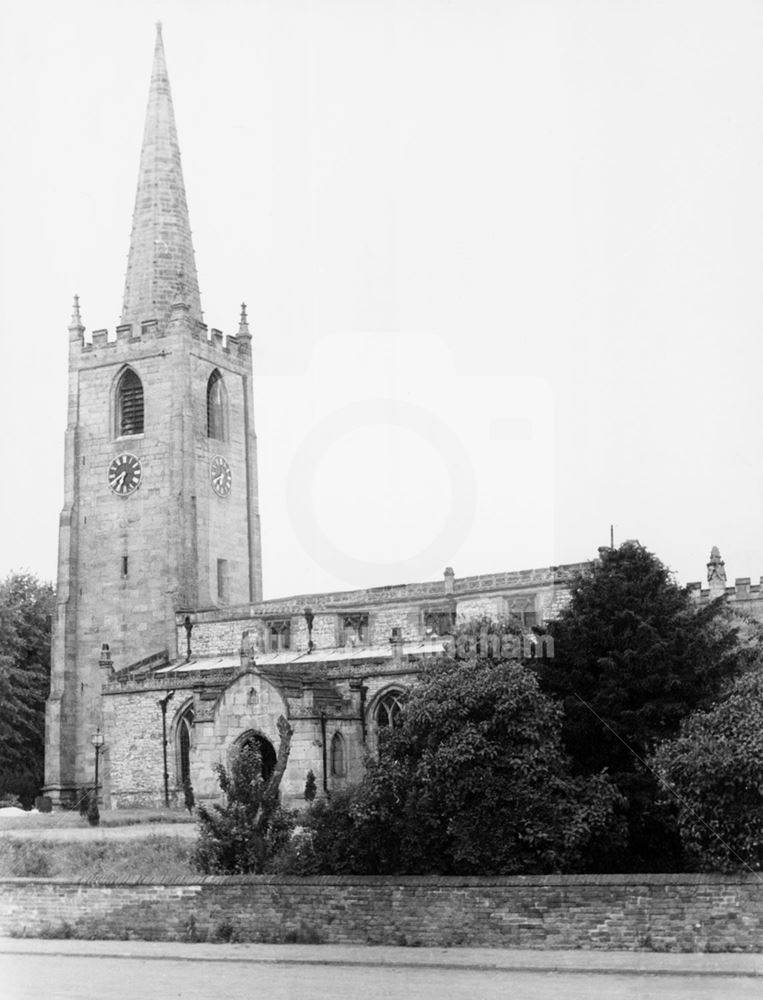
(124, 474)
(221, 476)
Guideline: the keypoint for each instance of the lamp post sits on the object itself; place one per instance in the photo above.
(97, 740)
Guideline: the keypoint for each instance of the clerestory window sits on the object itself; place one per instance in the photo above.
(353, 630)
(279, 634)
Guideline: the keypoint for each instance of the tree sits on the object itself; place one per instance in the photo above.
(241, 835)
(472, 780)
(26, 607)
(712, 776)
(633, 656)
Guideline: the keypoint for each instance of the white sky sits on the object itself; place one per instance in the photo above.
(502, 262)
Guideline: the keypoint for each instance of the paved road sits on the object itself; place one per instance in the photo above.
(30, 970)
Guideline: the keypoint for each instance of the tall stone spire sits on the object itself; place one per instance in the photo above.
(161, 268)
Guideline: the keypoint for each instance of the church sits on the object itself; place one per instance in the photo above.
(165, 656)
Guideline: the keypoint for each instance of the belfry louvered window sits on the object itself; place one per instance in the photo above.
(130, 404)
(217, 407)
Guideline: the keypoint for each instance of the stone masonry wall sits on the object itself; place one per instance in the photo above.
(649, 912)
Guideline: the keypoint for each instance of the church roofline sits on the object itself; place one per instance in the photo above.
(433, 591)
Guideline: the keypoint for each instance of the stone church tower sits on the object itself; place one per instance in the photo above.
(160, 507)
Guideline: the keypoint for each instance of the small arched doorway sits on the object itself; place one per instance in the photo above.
(264, 747)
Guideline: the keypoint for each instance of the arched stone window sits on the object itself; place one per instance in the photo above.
(217, 407)
(129, 408)
(183, 742)
(264, 746)
(338, 756)
(388, 708)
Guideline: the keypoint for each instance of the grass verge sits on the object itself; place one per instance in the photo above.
(153, 858)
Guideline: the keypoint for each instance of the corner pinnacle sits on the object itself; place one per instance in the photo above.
(243, 323)
(76, 320)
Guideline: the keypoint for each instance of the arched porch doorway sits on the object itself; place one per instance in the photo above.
(266, 750)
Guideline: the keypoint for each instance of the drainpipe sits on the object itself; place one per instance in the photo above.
(309, 618)
(187, 625)
(363, 693)
(323, 747)
(163, 702)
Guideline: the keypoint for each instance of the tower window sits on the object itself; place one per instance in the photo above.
(124, 565)
(129, 404)
(217, 407)
(222, 581)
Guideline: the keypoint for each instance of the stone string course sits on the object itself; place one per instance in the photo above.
(680, 913)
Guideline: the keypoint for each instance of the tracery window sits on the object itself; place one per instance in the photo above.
(129, 404)
(388, 709)
(217, 407)
(183, 742)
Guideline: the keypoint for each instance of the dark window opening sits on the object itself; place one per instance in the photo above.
(129, 404)
(264, 749)
(124, 565)
(338, 759)
(217, 407)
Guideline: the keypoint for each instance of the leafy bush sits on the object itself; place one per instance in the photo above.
(712, 777)
(473, 780)
(251, 827)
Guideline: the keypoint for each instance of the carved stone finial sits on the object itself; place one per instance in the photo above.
(243, 323)
(716, 573)
(716, 568)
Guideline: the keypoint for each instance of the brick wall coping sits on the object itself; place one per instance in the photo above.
(414, 881)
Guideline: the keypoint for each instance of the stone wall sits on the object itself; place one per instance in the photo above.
(648, 912)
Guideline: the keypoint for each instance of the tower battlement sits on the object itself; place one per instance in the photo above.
(232, 345)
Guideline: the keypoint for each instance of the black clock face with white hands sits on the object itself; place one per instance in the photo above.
(124, 474)
(221, 476)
